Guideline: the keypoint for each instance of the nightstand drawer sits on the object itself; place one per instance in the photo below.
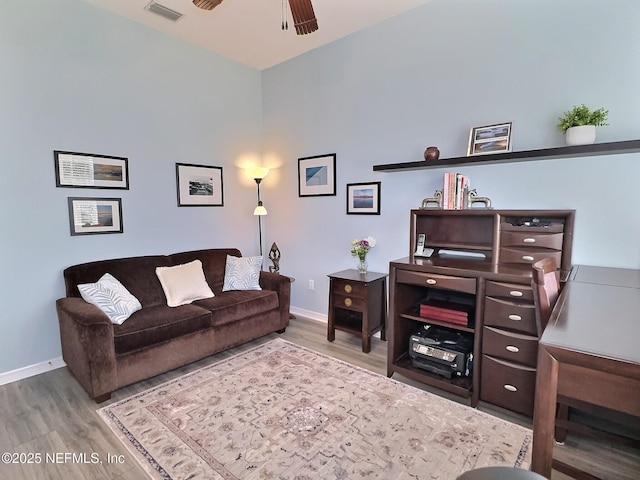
(515, 291)
(346, 287)
(508, 385)
(527, 255)
(445, 282)
(513, 347)
(525, 239)
(349, 301)
(519, 317)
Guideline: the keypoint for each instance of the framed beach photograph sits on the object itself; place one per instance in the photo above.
(89, 216)
(89, 170)
(199, 185)
(363, 198)
(490, 139)
(317, 175)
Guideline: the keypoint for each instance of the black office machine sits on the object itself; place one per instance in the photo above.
(443, 351)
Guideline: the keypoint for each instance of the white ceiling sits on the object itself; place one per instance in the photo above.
(250, 31)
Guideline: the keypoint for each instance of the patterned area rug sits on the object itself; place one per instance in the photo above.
(281, 411)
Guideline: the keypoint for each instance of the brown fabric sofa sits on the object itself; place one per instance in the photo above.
(104, 356)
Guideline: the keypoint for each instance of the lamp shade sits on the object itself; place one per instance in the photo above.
(260, 210)
(259, 172)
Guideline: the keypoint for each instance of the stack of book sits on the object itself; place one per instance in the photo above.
(455, 191)
(447, 312)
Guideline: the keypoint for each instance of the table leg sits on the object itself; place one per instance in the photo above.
(544, 413)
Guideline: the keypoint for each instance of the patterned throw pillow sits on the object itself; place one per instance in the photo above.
(110, 296)
(242, 273)
(183, 284)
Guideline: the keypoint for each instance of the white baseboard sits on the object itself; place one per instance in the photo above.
(320, 317)
(31, 370)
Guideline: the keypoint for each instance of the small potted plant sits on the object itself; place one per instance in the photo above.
(579, 124)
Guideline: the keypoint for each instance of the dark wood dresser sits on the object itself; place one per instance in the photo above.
(481, 258)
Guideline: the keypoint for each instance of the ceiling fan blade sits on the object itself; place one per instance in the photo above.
(207, 4)
(304, 18)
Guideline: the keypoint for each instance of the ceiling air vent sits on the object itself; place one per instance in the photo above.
(163, 11)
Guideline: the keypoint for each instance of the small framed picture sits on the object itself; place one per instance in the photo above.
(317, 175)
(88, 170)
(199, 185)
(490, 139)
(89, 216)
(363, 198)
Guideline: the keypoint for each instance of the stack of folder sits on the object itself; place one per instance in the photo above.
(445, 312)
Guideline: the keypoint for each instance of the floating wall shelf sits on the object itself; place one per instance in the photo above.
(609, 148)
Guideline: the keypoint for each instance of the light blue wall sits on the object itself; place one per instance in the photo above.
(424, 78)
(74, 77)
(77, 78)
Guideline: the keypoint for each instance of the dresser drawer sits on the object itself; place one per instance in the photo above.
(446, 282)
(508, 385)
(503, 313)
(349, 302)
(525, 239)
(527, 255)
(510, 346)
(345, 287)
(515, 291)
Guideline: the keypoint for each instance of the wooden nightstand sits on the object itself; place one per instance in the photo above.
(358, 305)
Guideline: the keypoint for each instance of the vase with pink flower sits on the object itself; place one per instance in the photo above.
(360, 248)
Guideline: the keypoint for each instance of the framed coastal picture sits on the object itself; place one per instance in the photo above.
(363, 198)
(199, 185)
(317, 175)
(490, 139)
(90, 216)
(90, 170)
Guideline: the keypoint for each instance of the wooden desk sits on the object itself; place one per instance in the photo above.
(589, 351)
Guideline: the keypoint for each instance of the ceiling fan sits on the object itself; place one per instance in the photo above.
(304, 18)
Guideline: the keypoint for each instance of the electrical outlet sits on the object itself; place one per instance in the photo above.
(311, 285)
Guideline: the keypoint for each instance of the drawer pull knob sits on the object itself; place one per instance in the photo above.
(515, 293)
(528, 258)
(529, 240)
(347, 288)
(512, 348)
(513, 316)
(347, 302)
(431, 281)
(510, 388)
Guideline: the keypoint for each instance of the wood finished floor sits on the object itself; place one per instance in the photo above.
(50, 415)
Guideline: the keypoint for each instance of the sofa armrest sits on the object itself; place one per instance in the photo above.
(281, 284)
(88, 348)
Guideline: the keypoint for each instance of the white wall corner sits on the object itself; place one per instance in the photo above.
(31, 370)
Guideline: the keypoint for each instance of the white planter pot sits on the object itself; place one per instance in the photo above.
(582, 135)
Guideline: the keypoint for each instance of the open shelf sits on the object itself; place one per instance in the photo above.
(608, 148)
(458, 385)
(414, 315)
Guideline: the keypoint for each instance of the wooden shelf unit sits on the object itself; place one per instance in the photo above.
(608, 148)
(499, 284)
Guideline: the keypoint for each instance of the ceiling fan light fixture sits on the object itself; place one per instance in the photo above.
(207, 4)
(304, 18)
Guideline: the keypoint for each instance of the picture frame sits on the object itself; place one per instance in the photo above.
(90, 170)
(199, 185)
(363, 198)
(90, 216)
(317, 175)
(490, 139)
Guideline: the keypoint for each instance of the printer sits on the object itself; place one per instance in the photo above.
(444, 351)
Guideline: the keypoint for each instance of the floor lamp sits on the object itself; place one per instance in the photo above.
(258, 174)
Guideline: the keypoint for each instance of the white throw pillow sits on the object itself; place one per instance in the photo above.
(184, 283)
(110, 296)
(242, 273)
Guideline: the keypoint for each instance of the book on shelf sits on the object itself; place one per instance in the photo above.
(455, 191)
(446, 311)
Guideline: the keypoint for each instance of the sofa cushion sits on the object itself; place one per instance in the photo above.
(137, 274)
(235, 305)
(110, 296)
(182, 284)
(157, 324)
(213, 262)
(242, 273)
